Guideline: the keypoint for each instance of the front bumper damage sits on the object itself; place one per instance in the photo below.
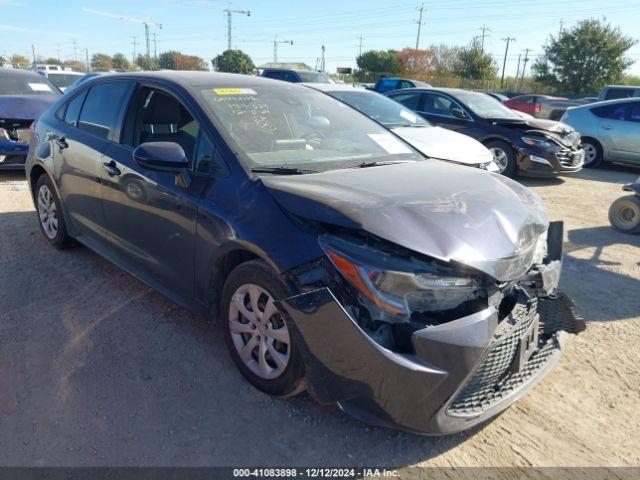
(14, 145)
(459, 373)
(545, 163)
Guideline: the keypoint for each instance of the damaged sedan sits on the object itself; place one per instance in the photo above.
(23, 97)
(415, 294)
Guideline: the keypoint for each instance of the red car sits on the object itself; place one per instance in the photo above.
(531, 104)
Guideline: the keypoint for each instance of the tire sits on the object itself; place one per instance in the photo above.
(50, 216)
(592, 153)
(624, 214)
(504, 157)
(250, 285)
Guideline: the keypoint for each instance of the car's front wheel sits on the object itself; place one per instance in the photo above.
(257, 334)
(592, 153)
(504, 157)
(50, 216)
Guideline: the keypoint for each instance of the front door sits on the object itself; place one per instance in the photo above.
(152, 220)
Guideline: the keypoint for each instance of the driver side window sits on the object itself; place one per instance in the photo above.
(156, 116)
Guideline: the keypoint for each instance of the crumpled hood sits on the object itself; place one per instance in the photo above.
(443, 210)
(562, 132)
(437, 142)
(25, 107)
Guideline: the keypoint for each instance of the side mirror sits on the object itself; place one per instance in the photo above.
(161, 156)
(458, 113)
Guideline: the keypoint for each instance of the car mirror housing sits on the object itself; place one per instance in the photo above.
(161, 156)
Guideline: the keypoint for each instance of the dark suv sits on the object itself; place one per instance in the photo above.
(295, 76)
(413, 292)
(519, 142)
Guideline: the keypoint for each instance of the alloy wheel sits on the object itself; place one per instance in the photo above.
(500, 157)
(590, 153)
(47, 212)
(259, 332)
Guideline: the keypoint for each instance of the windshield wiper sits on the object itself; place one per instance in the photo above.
(379, 164)
(283, 170)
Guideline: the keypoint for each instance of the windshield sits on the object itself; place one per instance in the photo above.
(292, 126)
(63, 80)
(382, 109)
(13, 83)
(313, 77)
(484, 106)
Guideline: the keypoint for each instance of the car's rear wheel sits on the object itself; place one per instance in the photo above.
(592, 153)
(624, 214)
(504, 157)
(257, 334)
(50, 216)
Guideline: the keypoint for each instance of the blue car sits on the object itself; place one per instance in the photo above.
(23, 97)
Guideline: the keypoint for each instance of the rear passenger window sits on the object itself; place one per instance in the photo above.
(73, 109)
(409, 100)
(617, 111)
(101, 108)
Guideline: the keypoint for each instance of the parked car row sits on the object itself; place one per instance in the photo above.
(415, 293)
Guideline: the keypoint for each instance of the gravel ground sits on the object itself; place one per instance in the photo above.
(97, 369)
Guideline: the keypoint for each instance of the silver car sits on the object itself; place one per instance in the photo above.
(610, 130)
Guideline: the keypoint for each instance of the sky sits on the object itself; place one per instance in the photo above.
(199, 27)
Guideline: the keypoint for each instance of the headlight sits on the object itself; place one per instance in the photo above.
(538, 142)
(398, 292)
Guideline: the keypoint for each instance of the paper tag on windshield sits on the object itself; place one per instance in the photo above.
(40, 87)
(408, 116)
(234, 91)
(389, 143)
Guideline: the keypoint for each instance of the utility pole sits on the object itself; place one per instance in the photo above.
(518, 72)
(524, 65)
(484, 30)
(322, 61)
(58, 50)
(133, 58)
(275, 47)
(86, 58)
(155, 49)
(33, 50)
(75, 50)
(561, 25)
(421, 9)
(360, 46)
(504, 63)
(229, 12)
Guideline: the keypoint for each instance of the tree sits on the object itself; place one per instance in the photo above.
(379, 61)
(120, 62)
(167, 60)
(412, 61)
(75, 65)
(101, 62)
(445, 59)
(174, 60)
(233, 61)
(19, 61)
(52, 61)
(584, 59)
(145, 62)
(472, 62)
(2, 61)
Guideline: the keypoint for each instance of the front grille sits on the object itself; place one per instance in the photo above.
(494, 379)
(568, 157)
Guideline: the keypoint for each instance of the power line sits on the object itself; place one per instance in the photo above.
(484, 30)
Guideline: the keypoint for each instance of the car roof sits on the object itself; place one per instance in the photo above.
(335, 87)
(606, 102)
(193, 78)
(63, 72)
(20, 73)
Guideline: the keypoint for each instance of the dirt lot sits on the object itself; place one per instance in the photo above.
(97, 369)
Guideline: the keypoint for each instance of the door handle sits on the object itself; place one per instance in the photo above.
(111, 168)
(607, 127)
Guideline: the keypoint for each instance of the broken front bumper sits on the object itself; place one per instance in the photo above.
(12, 154)
(460, 373)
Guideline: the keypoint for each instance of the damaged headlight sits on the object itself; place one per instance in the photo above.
(538, 142)
(401, 292)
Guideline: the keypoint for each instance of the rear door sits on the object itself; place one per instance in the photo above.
(80, 145)
(619, 128)
(151, 219)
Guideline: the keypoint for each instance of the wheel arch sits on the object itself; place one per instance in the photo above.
(597, 142)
